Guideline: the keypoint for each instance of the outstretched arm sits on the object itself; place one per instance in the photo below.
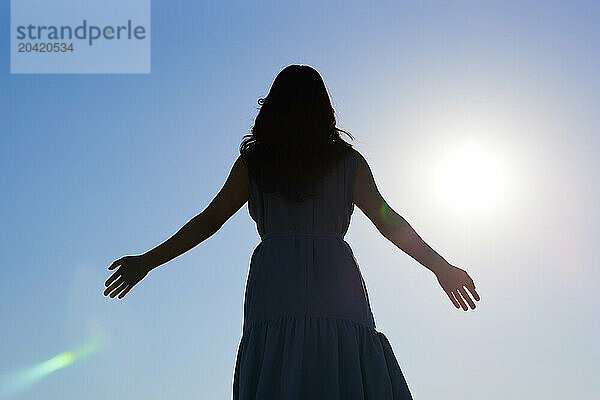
(398, 231)
(232, 196)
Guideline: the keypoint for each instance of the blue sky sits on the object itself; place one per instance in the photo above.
(100, 166)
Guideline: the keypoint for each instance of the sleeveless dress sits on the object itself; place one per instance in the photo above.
(308, 329)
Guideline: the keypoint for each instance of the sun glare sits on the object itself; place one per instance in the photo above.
(470, 179)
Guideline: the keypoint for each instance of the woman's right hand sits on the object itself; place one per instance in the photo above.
(454, 280)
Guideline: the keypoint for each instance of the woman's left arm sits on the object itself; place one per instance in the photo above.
(232, 196)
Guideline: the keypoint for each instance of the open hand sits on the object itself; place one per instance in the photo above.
(454, 280)
(132, 270)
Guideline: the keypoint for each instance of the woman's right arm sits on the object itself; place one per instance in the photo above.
(398, 231)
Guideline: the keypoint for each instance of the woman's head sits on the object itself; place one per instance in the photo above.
(294, 139)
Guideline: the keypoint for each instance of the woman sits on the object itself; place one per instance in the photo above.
(308, 330)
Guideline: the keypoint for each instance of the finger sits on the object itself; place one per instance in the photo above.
(453, 300)
(125, 291)
(473, 292)
(116, 263)
(467, 297)
(112, 278)
(117, 290)
(114, 285)
(471, 286)
(456, 294)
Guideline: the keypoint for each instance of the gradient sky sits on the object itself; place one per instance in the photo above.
(100, 166)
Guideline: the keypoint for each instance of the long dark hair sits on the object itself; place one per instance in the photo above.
(294, 140)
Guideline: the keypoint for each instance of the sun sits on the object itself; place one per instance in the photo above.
(470, 179)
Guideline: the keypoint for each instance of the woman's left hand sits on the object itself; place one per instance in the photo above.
(132, 270)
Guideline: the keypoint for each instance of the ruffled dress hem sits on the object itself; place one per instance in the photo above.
(316, 357)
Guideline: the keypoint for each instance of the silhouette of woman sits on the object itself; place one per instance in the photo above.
(308, 329)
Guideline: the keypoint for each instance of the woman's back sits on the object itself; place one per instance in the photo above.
(329, 212)
(308, 327)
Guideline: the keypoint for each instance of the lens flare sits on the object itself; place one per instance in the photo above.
(383, 210)
(20, 380)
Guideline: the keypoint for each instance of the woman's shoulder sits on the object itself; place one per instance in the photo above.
(360, 161)
(355, 159)
(350, 155)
